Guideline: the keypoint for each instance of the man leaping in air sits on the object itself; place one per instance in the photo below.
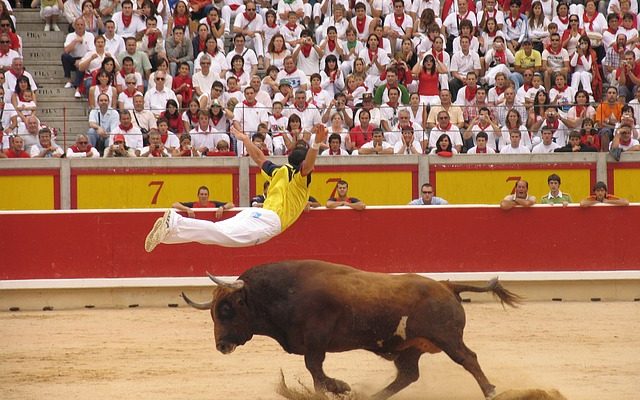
(286, 199)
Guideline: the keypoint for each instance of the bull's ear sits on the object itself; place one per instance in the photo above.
(239, 284)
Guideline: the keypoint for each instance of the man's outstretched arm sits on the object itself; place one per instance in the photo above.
(310, 160)
(254, 152)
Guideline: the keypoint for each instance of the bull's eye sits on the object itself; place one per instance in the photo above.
(225, 311)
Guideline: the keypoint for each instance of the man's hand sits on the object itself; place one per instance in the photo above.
(190, 213)
(219, 211)
(240, 135)
(321, 134)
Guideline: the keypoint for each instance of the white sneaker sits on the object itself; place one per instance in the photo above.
(77, 94)
(159, 231)
(47, 27)
(55, 27)
(68, 85)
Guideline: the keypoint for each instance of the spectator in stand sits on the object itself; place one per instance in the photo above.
(258, 200)
(7, 112)
(114, 43)
(443, 147)
(29, 132)
(203, 81)
(179, 49)
(7, 54)
(408, 144)
(428, 76)
(307, 54)
(156, 98)
(575, 145)
(608, 114)
(555, 61)
(102, 121)
(497, 60)
(205, 138)
(623, 140)
(76, 45)
(552, 120)
(481, 123)
(335, 146)
(155, 148)
(93, 22)
(520, 197)
(250, 113)
(515, 26)
(132, 135)
(16, 149)
(515, 147)
(527, 58)
(615, 59)
(128, 24)
(213, 25)
(374, 57)
(628, 75)
(362, 132)
(547, 145)
(46, 147)
(203, 202)
(249, 56)
(398, 25)
(427, 198)
(5, 28)
(72, 10)
(119, 148)
(92, 62)
(140, 59)
(342, 199)
(481, 145)
(584, 61)
(600, 196)
(142, 117)
(462, 63)
(250, 24)
(128, 69)
(82, 148)
(445, 127)
(183, 85)
(186, 149)
(377, 144)
(555, 195)
(125, 99)
(152, 43)
(49, 12)
(453, 111)
(390, 77)
(580, 111)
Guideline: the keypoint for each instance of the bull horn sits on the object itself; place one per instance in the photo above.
(199, 306)
(239, 284)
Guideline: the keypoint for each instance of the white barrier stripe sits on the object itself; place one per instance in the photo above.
(105, 283)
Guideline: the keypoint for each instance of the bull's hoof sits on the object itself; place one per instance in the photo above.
(336, 386)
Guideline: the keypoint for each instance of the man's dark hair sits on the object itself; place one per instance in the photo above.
(553, 177)
(202, 187)
(482, 134)
(297, 156)
(335, 136)
(600, 185)
(342, 182)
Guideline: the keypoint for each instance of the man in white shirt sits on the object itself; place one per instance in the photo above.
(142, 118)
(444, 125)
(114, 43)
(250, 59)
(132, 134)
(203, 137)
(307, 54)
(398, 25)
(462, 63)
(82, 149)
(290, 74)
(514, 147)
(376, 145)
(129, 24)
(250, 24)
(547, 145)
(76, 45)
(248, 114)
(155, 100)
(7, 54)
(203, 79)
(308, 113)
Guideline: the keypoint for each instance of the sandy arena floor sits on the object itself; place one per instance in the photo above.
(589, 351)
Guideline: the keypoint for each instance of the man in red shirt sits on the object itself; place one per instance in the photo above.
(203, 202)
(16, 150)
(600, 196)
(361, 134)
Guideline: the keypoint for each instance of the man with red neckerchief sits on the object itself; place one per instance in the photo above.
(239, 48)
(7, 54)
(482, 123)
(390, 77)
(308, 113)
(129, 24)
(132, 134)
(444, 125)
(14, 38)
(361, 21)
(291, 30)
(317, 95)
(308, 54)
(82, 148)
(450, 25)
(555, 60)
(552, 121)
(398, 26)
(250, 25)
(628, 76)
(562, 94)
(467, 93)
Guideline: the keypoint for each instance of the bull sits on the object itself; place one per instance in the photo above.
(313, 307)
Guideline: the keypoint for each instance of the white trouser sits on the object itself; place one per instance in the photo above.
(256, 43)
(226, 15)
(583, 77)
(249, 227)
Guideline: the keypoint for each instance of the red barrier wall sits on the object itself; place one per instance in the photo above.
(110, 245)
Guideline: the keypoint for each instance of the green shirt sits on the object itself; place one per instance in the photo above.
(404, 94)
(559, 199)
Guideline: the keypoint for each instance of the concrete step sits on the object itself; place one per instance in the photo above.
(45, 72)
(36, 39)
(55, 92)
(28, 15)
(48, 110)
(51, 82)
(36, 55)
(39, 26)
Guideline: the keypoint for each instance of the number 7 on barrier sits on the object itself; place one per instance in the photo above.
(159, 184)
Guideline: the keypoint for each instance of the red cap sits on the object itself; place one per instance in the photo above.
(118, 138)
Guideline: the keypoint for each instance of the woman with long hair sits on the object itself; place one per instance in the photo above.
(580, 111)
(172, 114)
(537, 25)
(536, 112)
(585, 66)
(427, 74)
(572, 35)
(444, 146)
(22, 84)
(237, 70)
(331, 76)
(104, 85)
(270, 27)
(180, 17)
(92, 21)
(215, 24)
(513, 121)
(190, 116)
(276, 51)
(212, 49)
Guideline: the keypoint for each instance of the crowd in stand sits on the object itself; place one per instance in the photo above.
(167, 78)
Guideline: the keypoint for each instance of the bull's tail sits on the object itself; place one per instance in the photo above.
(494, 286)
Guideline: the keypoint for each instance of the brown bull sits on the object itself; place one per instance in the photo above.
(313, 307)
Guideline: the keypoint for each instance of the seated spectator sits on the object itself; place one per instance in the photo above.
(481, 145)
(514, 147)
(119, 148)
(158, 96)
(125, 98)
(155, 148)
(102, 121)
(25, 107)
(152, 43)
(341, 199)
(163, 66)
(377, 144)
(575, 145)
(250, 25)
(6, 24)
(547, 145)
(258, 200)
(128, 69)
(335, 146)
(204, 138)
(623, 141)
(114, 42)
(179, 49)
(498, 59)
(584, 61)
(140, 59)
(555, 195)
(7, 54)
(29, 132)
(223, 149)
(82, 148)
(482, 123)
(608, 114)
(186, 149)
(49, 12)
(443, 146)
(427, 198)
(390, 77)
(462, 62)
(46, 147)
(76, 45)
(519, 198)
(132, 134)
(168, 138)
(580, 111)
(128, 24)
(600, 196)
(407, 144)
(142, 118)
(203, 202)
(249, 56)
(445, 127)
(454, 112)
(16, 149)
(103, 86)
